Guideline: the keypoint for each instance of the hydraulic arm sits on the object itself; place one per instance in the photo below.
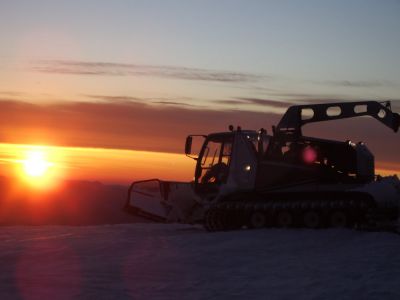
(299, 115)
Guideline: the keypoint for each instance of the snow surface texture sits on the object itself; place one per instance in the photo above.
(158, 261)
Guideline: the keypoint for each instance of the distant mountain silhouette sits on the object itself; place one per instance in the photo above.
(73, 203)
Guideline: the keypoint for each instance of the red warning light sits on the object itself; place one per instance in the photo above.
(309, 155)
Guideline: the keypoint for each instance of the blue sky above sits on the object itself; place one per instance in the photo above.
(321, 49)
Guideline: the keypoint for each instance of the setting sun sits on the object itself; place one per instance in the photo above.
(35, 164)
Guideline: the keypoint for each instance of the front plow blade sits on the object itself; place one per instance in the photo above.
(164, 201)
(147, 199)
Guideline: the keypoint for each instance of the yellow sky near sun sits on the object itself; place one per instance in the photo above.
(106, 165)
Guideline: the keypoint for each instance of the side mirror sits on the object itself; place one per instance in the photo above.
(188, 145)
(192, 141)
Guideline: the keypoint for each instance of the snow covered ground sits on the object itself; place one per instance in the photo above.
(157, 261)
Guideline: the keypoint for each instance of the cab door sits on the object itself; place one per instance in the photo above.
(213, 165)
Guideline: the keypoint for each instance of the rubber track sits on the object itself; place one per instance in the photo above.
(231, 215)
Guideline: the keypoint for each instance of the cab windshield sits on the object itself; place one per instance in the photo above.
(214, 162)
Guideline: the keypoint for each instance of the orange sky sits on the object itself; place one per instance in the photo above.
(109, 165)
(88, 138)
(105, 165)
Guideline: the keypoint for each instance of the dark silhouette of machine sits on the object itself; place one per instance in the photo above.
(247, 178)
